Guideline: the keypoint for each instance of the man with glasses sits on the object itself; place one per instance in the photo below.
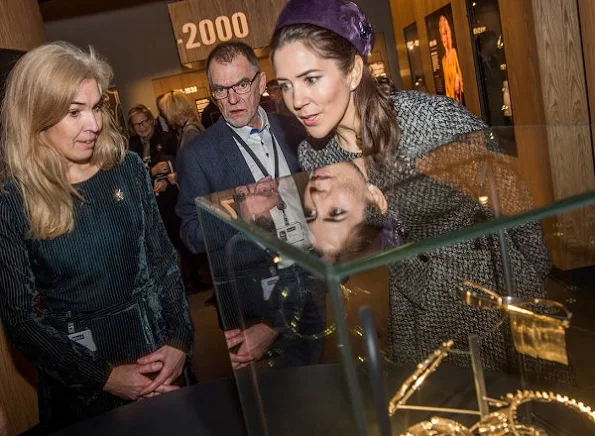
(244, 146)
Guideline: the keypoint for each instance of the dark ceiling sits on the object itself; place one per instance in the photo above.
(61, 9)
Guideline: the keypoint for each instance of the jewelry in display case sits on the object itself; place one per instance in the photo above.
(541, 335)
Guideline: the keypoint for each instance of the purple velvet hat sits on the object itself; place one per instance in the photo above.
(339, 16)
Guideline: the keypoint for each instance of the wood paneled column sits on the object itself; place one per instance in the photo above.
(21, 28)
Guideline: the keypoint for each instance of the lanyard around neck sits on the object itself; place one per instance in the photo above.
(253, 156)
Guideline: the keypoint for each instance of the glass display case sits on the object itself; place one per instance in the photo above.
(407, 295)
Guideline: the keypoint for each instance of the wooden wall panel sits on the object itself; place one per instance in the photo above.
(533, 161)
(566, 110)
(21, 26)
(18, 396)
(587, 17)
(523, 68)
(403, 12)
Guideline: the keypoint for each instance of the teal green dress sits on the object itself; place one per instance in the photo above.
(115, 275)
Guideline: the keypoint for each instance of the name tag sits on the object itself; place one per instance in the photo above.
(84, 338)
(292, 234)
(268, 285)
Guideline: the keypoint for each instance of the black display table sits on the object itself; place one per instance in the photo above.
(301, 401)
(204, 409)
(317, 394)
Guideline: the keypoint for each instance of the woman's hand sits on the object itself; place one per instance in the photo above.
(163, 389)
(160, 185)
(172, 360)
(160, 168)
(129, 381)
(172, 178)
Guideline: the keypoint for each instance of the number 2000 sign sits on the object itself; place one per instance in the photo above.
(223, 29)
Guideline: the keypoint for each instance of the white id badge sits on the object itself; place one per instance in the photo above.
(268, 285)
(292, 234)
(84, 338)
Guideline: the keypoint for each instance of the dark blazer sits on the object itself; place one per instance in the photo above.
(164, 146)
(213, 162)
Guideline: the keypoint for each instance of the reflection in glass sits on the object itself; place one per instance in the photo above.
(402, 235)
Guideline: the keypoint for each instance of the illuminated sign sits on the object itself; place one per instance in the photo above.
(199, 25)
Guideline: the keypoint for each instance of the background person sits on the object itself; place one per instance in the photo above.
(90, 290)
(158, 150)
(182, 116)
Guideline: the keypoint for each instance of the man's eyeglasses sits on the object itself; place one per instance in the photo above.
(242, 87)
(143, 123)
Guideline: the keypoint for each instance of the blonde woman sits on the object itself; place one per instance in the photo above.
(90, 290)
(181, 115)
(453, 77)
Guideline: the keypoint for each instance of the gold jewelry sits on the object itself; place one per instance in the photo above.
(539, 336)
(535, 335)
(505, 421)
(438, 427)
(294, 323)
(526, 396)
(418, 377)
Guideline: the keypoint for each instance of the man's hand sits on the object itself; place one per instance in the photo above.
(128, 381)
(255, 341)
(172, 360)
(160, 168)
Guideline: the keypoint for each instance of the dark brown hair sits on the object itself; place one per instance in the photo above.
(363, 238)
(379, 133)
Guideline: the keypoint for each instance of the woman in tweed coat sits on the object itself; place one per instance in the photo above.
(319, 57)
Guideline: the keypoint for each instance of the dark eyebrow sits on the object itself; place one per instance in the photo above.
(300, 75)
(308, 72)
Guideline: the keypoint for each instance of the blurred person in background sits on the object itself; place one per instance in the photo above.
(158, 151)
(182, 116)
